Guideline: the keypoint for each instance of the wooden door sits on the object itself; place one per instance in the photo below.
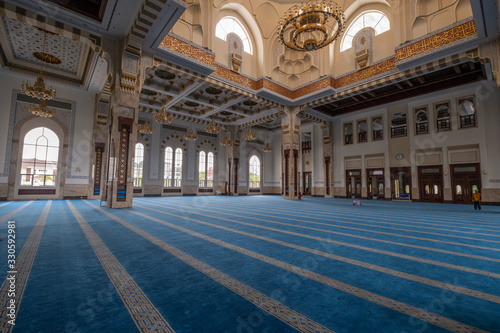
(353, 183)
(430, 179)
(465, 180)
(375, 184)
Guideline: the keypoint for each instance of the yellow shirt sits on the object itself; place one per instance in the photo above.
(476, 196)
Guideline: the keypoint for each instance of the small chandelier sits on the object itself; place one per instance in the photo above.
(146, 128)
(212, 128)
(267, 148)
(311, 26)
(42, 110)
(163, 117)
(190, 136)
(249, 136)
(38, 89)
(226, 142)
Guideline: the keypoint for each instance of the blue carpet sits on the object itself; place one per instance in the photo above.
(257, 264)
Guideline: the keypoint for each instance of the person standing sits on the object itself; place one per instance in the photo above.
(476, 198)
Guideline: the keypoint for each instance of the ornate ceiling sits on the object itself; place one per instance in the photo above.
(24, 41)
(188, 95)
(191, 97)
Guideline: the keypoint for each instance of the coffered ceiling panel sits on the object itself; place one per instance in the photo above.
(24, 41)
(191, 96)
(22, 47)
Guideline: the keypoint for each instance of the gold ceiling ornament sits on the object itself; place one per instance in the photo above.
(146, 128)
(212, 128)
(226, 142)
(311, 26)
(38, 90)
(42, 110)
(250, 136)
(267, 148)
(190, 136)
(163, 117)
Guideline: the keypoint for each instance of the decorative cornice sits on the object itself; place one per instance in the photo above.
(189, 50)
(366, 73)
(464, 30)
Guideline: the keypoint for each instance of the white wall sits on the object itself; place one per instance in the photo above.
(84, 102)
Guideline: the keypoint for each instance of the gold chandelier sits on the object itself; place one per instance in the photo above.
(42, 110)
(190, 136)
(163, 117)
(146, 128)
(249, 136)
(226, 142)
(311, 26)
(267, 148)
(38, 90)
(212, 128)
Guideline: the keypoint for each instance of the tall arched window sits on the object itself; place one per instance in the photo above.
(167, 171)
(210, 170)
(178, 167)
(254, 172)
(202, 170)
(138, 164)
(206, 169)
(39, 158)
(230, 24)
(371, 19)
(173, 168)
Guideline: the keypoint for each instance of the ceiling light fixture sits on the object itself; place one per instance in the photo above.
(163, 117)
(146, 128)
(226, 142)
(250, 136)
(267, 148)
(38, 89)
(190, 136)
(212, 128)
(311, 26)
(42, 110)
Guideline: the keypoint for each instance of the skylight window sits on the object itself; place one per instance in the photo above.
(375, 20)
(231, 24)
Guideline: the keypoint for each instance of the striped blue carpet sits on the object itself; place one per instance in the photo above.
(250, 264)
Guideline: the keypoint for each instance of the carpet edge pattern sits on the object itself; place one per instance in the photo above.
(24, 263)
(141, 309)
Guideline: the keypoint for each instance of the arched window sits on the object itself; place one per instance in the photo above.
(371, 19)
(210, 170)
(421, 120)
(39, 158)
(467, 113)
(362, 131)
(378, 133)
(167, 171)
(202, 169)
(230, 24)
(398, 125)
(173, 168)
(206, 170)
(443, 116)
(348, 134)
(178, 167)
(138, 164)
(254, 172)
